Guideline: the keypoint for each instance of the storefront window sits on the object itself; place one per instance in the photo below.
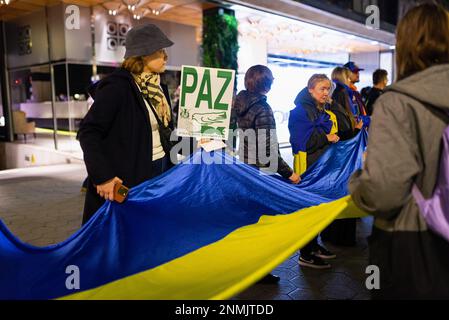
(31, 105)
(42, 120)
(386, 63)
(71, 105)
(291, 76)
(2, 116)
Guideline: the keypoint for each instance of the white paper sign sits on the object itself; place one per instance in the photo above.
(205, 102)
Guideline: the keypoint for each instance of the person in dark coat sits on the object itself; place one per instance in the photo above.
(364, 93)
(348, 125)
(342, 232)
(254, 116)
(119, 134)
(380, 81)
(312, 130)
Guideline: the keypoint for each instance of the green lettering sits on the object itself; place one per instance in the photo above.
(228, 77)
(202, 96)
(186, 71)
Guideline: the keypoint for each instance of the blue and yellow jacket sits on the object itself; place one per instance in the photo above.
(308, 128)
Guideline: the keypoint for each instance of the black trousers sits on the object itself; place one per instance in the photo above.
(341, 232)
(93, 201)
(310, 247)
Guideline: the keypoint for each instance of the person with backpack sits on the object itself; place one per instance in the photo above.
(403, 154)
(364, 93)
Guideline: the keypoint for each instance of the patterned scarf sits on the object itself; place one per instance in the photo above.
(150, 85)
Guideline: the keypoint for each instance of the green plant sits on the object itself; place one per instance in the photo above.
(220, 44)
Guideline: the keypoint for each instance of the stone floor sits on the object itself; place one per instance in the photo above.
(344, 281)
(43, 206)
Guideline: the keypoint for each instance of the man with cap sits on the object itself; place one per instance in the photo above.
(356, 96)
(120, 134)
(355, 73)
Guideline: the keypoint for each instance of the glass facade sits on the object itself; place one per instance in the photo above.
(294, 51)
(49, 99)
(2, 114)
(30, 92)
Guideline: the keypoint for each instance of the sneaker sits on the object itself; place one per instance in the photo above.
(313, 262)
(323, 253)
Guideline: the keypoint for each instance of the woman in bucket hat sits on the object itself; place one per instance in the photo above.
(120, 133)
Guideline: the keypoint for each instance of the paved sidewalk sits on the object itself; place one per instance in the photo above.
(43, 206)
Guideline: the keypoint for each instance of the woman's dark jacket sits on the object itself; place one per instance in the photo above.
(251, 111)
(340, 107)
(116, 136)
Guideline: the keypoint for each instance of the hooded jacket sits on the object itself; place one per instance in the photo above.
(252, 112)
(308, 127)
(404, 148)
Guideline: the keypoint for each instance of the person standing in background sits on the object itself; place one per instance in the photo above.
(354, 78)
(348, 126)
(380, 81)
(342, 232)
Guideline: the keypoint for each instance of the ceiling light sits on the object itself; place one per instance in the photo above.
(159, 8)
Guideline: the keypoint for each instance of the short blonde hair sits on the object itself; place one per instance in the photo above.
(341, 74)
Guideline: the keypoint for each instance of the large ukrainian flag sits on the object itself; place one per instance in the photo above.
(207, 229)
